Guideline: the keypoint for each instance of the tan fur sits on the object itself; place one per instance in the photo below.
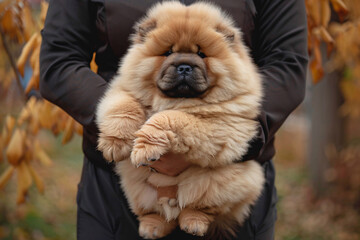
(153, 226)
(212, 130)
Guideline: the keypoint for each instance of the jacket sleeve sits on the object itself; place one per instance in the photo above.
(68, 43)
(280, 51)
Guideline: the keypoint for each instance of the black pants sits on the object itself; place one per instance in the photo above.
(103, 212)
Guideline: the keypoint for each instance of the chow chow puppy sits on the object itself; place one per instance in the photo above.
(187, 86)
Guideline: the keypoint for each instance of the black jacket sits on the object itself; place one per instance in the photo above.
(275, 30)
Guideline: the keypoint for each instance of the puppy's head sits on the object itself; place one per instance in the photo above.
(190, 52)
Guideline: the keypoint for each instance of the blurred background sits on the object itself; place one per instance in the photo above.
(318, 147)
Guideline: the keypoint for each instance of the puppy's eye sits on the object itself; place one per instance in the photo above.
(201, 54)
(168, 53)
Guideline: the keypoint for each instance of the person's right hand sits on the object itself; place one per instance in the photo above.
(171, 164)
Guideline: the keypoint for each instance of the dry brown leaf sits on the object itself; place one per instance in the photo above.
(36, 72)
(69, 131)
(313, 9)
(5, 177)
(24, 182)
(10, 23)
(32, 84)
(41, 155)
(24, 170)
(325, 13)
(340, 8)
(27, 21)
(45, 115)
(7, 129)
(25, 53)
(55, 125)
(35, 64)
(37, 179)
(326, 37)
(93, 65)
(317, 72)
(24, 115)
(44, 8)
(31, 103)
(79, 128)
(36, 51)
(10, 123)
(34, 126)
(15, 150)
(316, 68)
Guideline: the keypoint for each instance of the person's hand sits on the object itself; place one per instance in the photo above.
(172, 165)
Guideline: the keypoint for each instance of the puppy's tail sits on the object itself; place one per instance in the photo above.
(223, 228)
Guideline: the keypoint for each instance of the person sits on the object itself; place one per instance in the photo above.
(276, 33)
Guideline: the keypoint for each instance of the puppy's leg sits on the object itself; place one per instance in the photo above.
(160, 134)
(194, 221)
(153, 226)
(223, 186)
(141, 197)
(153, 140)
(205, 141)
(119, 116)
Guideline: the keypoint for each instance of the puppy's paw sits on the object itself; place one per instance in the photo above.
(114, 149)
(153, 226)
(146, 154)
(150, 144)
(194, 222)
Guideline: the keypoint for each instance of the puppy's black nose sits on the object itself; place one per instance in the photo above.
(184, 69)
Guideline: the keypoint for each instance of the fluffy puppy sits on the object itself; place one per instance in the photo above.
(188, 86)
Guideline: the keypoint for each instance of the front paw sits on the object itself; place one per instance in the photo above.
(194, 222)
(113, 148)
(154, 226)
(145, 154)
(151, 143)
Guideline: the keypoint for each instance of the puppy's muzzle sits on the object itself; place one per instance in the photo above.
(183, 83)
(183, 76)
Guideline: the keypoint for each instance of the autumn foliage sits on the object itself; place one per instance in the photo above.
(336, 23)
(18, 139)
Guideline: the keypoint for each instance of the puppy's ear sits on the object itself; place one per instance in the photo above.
(228, 32)
(142, 28)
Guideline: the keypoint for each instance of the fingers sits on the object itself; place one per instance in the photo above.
(171, 164)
